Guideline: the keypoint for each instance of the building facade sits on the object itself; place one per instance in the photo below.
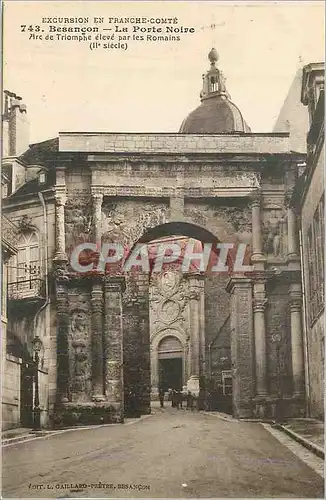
(110, 336)
(309, 199)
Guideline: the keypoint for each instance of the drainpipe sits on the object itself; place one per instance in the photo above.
(45, 223)
(210, 361)
(305, 327)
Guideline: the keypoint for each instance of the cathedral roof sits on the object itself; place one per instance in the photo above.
(217, 114)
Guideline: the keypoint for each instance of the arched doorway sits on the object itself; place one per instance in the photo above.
(175, 305)
(170, 363)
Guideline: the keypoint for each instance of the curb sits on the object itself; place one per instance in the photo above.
(19, 439)
(220, 416)
(314, 448)
(229, 418)
(43, 434)
(258, 420)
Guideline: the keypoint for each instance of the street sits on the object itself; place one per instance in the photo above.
(173, 453)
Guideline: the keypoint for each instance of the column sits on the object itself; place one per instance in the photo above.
(97, 199)
(242, 346)
(297, 340)
(62, 311)
(154, 370)
(194, 326)
(256, 227)
(293, 248)
(97, 342)
(201, 290)
(60, 253)
(114, 287)
(260, 346)
(145, 383)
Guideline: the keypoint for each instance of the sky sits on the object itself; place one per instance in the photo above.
(152, 86)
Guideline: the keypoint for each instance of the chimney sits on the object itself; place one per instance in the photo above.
(15, 125)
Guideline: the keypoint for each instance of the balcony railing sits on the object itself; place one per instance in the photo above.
(9, 232)
(33, 288)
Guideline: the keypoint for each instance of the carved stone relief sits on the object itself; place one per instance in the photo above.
(274, 234)
(78, 221)
(168, 298)
(128, 220)
(225, 222)
(79, 346)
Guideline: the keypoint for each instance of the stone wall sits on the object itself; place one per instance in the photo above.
(279, 340)
(314, 325)
(11, 392)
(136, 343)
(217, 326)
(316, 361)
(174, 143)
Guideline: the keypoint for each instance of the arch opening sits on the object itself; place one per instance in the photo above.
(170, 359)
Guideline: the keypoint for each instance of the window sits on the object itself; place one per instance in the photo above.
(28, 258)
(42, 178)
(213, 84)
(4, 190)
(315, 239)
(227, 382)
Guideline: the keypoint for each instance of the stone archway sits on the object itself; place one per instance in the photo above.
(170, 302)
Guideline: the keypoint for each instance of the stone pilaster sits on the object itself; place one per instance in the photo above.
(195, 324)
(259, 305)
(114, 287)
(97, 200)
(293, 249)
(60, 251)
(257, 253)
(242, 346)
(62, 312)
(293, 240)
(297, 339)
(145, 382)
(201, 290)
(60, 201)
(260, 346)
(97, 342)
(154, 370)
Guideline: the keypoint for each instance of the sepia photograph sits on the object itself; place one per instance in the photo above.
(162, 236)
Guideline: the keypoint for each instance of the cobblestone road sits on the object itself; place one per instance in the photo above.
(172, 453)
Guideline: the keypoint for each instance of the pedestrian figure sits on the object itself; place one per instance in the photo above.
(161, 394)
(208, 401)
(189, 400)
(174, 398)
(179, 399)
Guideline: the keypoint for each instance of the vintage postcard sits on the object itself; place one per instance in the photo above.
(162, 249)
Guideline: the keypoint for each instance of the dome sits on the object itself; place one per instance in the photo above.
(217, 114)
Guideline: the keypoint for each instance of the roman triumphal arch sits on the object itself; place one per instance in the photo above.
(140, 327)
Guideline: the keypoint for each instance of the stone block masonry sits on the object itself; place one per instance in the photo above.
(70, 142)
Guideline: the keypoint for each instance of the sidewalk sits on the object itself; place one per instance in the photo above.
(21, 434)
(308, 432)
